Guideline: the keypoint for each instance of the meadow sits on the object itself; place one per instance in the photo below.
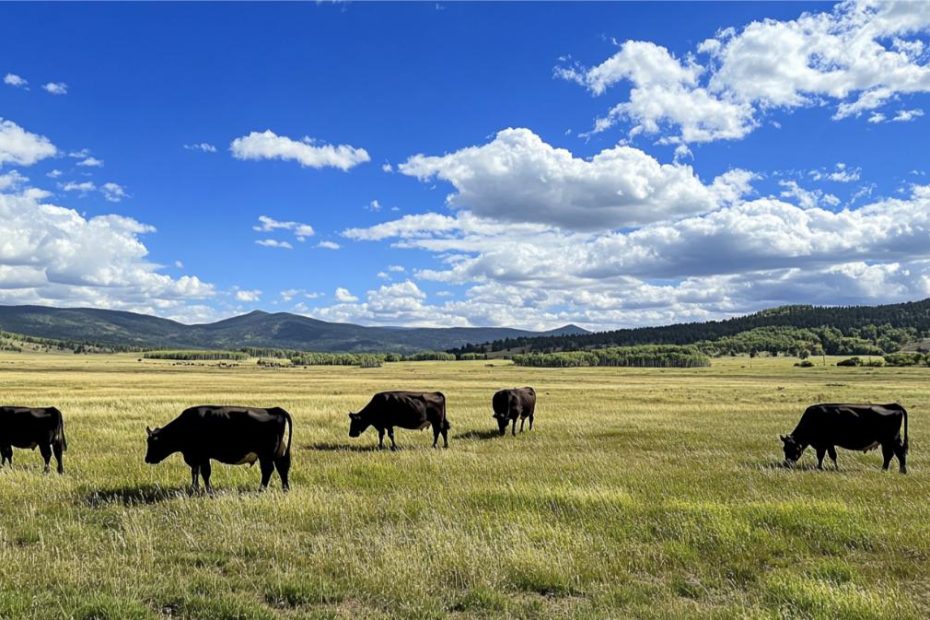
(651, 493)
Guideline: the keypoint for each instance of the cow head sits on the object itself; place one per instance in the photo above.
(157, 450)
(793, 449)
(502, 421)
(357, 425)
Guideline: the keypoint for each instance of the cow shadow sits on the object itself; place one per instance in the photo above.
(488, 434)
(781, 466)
(135, 495)
(343, 447)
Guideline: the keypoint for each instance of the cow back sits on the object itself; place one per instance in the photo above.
(405, 409)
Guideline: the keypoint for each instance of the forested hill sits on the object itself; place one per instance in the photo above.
(127, 330)
(851, 321)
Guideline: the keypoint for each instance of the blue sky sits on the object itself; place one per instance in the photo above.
(516, 164)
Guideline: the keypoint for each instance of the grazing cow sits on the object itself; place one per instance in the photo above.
(28, 427)
(232, 435)
(854, 427)
(512, 404)
(414, 410)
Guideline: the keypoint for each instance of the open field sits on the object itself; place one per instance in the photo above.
(641, 493)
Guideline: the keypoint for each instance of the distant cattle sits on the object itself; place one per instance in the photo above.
(28, 427)
(232, 435)
(854, 427)
(512, 404)
(413, 410)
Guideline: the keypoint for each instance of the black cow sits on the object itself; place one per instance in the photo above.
(512, 404)
(232, 435)
(854, 427)
(28, 427)
(414, 410)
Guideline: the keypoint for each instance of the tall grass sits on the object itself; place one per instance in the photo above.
(641, 493)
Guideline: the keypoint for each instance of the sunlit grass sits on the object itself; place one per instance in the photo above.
(641, 493)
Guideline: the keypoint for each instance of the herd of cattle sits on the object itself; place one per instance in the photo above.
(237, 435)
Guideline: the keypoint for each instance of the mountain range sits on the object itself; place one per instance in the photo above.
(256, 329)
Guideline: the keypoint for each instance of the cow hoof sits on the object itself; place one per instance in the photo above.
(903, 470)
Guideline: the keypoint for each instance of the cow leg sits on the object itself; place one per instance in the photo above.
(531, 422)
(380, 438)
(445, 437)
(821, 452)
(267, 466)
(58, 450)
(831, 450)
(7, 453)
(390, 432)
(887, 453)
(205, 471)
(901, 453)
(513, 428)
(195, 479)
(46, 451)
(283, 465)
(436, 431)
(522, 422)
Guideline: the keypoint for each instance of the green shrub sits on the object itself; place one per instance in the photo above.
(852, 361)
(645, 356)
(904, 359)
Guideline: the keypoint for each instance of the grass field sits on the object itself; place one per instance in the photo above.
(641, 493)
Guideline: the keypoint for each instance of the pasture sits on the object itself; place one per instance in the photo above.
(641, 493)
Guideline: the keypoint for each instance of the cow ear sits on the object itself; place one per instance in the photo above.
(149, 431)
(784, 438)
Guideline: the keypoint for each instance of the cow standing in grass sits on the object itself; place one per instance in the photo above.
(232, 435)
(413, 410)
(511, 404)
(29, 427)
(854, 427)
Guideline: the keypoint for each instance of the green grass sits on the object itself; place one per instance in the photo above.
(641, 493)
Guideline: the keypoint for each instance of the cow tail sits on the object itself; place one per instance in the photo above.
(60, 432)
(905, 430)
(445, 420)
(282, 450)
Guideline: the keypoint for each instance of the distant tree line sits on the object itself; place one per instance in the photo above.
(802, 342)
(644, 356)
(366, 360)
(189, 356)
(839, 330)
(18, 343)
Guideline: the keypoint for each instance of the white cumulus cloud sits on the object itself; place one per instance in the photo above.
(269, 224)
(11, 79)
(113, 192)
(269, 145)
(22, 148)
(53, 255)
(56, 88)
(274, 243)
(91, 162)
(856, 58)
(205, 147)
(518, 177)
(344, 296)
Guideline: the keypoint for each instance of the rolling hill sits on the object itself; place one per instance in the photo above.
(255, 329)
(845, 319)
